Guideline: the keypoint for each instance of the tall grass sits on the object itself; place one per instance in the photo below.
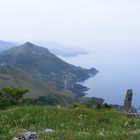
(68, 123)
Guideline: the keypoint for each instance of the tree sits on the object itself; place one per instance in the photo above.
(11, 96)
(107, 106)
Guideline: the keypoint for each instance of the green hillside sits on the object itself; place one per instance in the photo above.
(40, 91)
(69, 123)
(10, 76)
(40, 62)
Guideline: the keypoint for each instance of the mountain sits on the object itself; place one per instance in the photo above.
(40, 62)
(41, 92)
(54, 47)
(11, 76)
(4, 45)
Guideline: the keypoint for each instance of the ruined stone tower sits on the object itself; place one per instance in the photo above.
(128, 100)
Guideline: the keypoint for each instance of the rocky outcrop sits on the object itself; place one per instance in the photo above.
(27, 135)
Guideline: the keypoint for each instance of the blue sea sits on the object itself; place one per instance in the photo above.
(119, 70)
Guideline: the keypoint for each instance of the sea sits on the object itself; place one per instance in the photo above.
(119, 70)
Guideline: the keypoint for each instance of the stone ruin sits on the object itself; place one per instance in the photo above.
(128, 101)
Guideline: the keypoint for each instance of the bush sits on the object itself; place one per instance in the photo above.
(107, 106)
(10, 96)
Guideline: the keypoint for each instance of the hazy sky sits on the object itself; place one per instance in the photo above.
(71, 22)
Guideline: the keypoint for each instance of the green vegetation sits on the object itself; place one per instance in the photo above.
(12, 76)
(10, 96)
(51, 81)
(39, 62)
(77, 123)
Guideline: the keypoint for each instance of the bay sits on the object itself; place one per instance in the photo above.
(119, 70)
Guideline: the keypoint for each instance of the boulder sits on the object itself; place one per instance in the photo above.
(33, 135)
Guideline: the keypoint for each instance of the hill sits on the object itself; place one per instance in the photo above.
(4, 45)
(69, 123)
(40, 91)
(39, 62)
(54, 47)
(11, 76)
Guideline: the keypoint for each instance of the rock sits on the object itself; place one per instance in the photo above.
(33, 135)
(15, 138)
(136, 132)
(30, 135)
(48, 132)
(128, 100)
(27, 136)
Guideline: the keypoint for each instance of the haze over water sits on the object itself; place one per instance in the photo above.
(119, 70)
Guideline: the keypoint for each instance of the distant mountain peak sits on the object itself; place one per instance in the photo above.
(28, 44)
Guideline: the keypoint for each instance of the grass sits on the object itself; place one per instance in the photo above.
(68, 123)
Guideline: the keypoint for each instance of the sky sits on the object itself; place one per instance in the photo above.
(72, 22)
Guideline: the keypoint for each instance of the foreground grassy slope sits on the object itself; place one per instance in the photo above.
(69, 123)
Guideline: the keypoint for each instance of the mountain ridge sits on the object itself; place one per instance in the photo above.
(40, 62)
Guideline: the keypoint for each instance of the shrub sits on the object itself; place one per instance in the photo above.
(10, 96)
